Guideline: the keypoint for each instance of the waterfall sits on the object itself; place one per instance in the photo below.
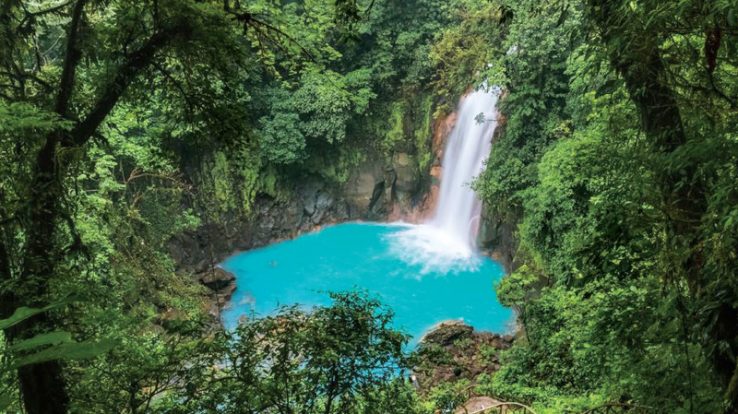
(467, 148)
(448, 240)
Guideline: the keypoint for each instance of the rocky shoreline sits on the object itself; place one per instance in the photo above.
(200, 252)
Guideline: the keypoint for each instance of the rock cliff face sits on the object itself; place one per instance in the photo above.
(498, 236)
(373, 192)
(377, 190)
(380, 188)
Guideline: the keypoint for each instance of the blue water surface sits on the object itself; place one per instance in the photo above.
(358, 256)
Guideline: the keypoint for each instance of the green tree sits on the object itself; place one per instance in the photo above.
(343, 358)
(614, 174)
(65, 69)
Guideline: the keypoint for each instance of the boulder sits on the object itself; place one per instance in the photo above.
(224, 295)
(446, 333)
(454, 351)
(218, 279)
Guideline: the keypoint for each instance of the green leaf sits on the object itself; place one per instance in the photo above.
(51, 338)
(73, 351)
(23, 313)
(19, 316)
(5, 401)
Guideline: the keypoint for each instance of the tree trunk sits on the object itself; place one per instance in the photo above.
(42, 385)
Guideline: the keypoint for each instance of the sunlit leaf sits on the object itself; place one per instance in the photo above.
(73, 351)
(51, 338)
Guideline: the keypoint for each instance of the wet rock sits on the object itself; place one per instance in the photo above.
(218, 279)
(343, 211)
(389, 183)
(308, 194)
(360, 190)
(498, 235)
(323, 203)
(224, 295)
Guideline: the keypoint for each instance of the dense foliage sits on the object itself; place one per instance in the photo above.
(618, 162)
(344, 358)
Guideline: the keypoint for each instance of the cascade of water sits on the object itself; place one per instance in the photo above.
(448, 240)
(468, 146)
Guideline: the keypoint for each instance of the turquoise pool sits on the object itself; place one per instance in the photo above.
(420, 285)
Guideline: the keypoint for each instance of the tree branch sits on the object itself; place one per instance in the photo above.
(248, 19)
(178, 85)
(71, 59)
(134, 64)
(32, 15)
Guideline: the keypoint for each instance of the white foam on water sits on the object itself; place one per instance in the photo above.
(432, 250)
